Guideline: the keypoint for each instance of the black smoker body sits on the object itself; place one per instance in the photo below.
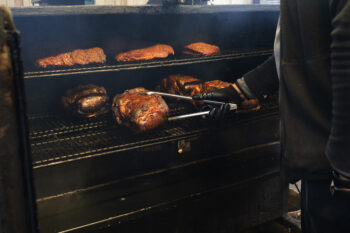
(188, 176)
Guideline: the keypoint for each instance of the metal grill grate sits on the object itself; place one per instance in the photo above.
(56, 140)
(227, 55)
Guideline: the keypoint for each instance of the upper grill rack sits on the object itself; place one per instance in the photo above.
(227, 55)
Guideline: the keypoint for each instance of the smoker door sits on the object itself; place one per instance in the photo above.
(92, 175)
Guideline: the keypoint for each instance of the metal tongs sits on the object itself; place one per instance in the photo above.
(233, 107)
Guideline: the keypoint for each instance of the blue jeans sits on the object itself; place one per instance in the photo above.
(322, 212)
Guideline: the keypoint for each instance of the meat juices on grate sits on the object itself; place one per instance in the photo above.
(86, 100)
(149, 53)
(201, 49)
(76, 57)
(140, 112)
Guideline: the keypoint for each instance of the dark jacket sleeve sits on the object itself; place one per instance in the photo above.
(338, 150)
(263, 80)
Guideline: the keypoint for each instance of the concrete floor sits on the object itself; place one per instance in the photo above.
(289, 223)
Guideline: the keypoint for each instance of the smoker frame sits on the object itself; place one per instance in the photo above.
(17, 202)
(152, 212)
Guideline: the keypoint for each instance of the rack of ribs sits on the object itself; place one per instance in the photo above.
(201, 49)
(86, 100)
(140, 112)
(76, 57)
(149, 53)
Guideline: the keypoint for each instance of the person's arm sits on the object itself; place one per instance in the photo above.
(263, 80)
(338, 150)
(248, 90)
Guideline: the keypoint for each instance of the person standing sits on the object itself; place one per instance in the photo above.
(312, 57)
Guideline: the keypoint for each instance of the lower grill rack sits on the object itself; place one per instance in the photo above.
(55, 140)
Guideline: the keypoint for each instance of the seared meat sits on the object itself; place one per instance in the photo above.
(251, 104)
(77, 57)
(214, 85)
(86, 100)
(140, 112)
(181, 85)
(156, 51)
(201, 49)
(189, 86)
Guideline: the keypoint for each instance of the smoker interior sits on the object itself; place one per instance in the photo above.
(92, 175)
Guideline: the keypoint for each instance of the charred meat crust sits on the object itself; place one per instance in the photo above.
(86, 100)
(189, 86)
(181, 85)
(138, 111)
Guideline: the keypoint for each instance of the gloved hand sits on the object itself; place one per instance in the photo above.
(231, 94)
(341, 184)
(228, 94)
(218, 112)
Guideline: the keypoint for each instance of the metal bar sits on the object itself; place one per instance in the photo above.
(185, 116)
(144, 65)
(147, 10)
(183, 97)
(168, 95)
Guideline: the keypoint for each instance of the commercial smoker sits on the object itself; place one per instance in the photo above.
(192, 175)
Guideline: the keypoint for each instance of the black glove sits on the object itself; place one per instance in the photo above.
(341, 184)
(217, 112)
(228, 94)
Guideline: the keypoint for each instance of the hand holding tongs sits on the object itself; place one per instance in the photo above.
(190, 98)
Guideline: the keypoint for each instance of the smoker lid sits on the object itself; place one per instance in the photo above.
(146, 10)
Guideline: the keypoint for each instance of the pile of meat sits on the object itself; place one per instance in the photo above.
(189, 86)
(181, 85)
(86, 100)
(134, 108)
(142, 112)
(156, 51)
(76, 57)
(139, 111)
